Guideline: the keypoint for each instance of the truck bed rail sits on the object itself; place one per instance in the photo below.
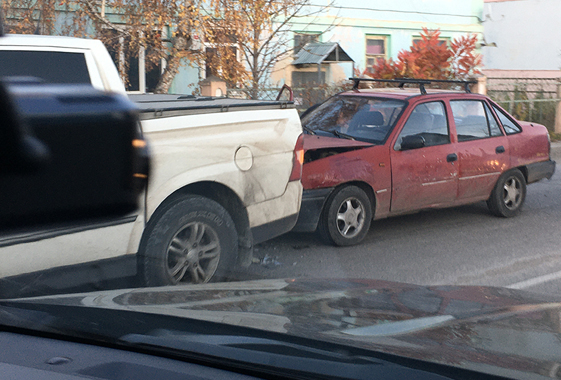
(154, 106)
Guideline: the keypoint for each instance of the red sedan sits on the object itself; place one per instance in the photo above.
(371, 154)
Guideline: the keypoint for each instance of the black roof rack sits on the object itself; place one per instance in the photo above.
(420, 82)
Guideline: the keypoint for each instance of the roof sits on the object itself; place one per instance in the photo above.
(321, 52)
(51, 41)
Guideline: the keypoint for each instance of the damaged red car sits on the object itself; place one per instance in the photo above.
(375, 153)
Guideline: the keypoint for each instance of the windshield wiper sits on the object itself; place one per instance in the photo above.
(337, 133)
(344, 135)
(308, 129)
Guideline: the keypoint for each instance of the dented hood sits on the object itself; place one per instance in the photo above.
(315, 142)
(497, 331)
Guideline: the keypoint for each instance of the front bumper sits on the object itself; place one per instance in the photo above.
(540, 170)
(310, 211)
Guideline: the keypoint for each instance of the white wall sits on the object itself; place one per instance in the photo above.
(526, 32)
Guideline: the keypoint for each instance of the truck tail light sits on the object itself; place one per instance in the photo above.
(298, 160)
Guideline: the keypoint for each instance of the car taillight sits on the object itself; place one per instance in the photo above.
(298, 160)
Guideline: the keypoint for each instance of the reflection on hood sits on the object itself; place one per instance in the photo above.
(493, 330)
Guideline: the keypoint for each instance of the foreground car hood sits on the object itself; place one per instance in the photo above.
(493, 330)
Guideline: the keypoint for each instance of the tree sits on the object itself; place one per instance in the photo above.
(160, 28)
(430, 58)
(257, 30)
(29, 16)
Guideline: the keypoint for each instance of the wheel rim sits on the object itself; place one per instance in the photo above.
(350, 217)
(512, 193)
(193, 254)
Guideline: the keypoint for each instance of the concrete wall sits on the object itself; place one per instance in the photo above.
(526, 33)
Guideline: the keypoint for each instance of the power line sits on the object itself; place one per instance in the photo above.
(397, 11)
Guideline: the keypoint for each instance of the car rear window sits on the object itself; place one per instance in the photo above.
(48, 66)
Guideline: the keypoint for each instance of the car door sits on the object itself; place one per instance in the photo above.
(423, 161)
(482, 148)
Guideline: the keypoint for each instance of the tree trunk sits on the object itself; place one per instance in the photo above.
(172, 67)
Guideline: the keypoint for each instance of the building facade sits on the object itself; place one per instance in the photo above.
(368, 30)
(522, 38)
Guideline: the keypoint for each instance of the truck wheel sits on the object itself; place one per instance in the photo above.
(508, 195)
(193, 241)
(346, 217)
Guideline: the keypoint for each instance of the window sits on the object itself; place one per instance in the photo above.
(441, 41)
(301, 39)
(49, 66)
(429, 121)
(473, 120)
(509, 125)
(302, 78)
(130, 61)
(375, 50)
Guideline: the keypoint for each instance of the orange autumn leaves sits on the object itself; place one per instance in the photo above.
(432, 58)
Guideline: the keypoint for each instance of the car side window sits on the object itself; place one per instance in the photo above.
(472, 120)
(509, 126)
(428, 121)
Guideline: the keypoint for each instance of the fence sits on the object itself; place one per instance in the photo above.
(528, 99)
(304, 96)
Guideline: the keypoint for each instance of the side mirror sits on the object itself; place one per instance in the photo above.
(412, 142)
(68, 153)
(20, 151)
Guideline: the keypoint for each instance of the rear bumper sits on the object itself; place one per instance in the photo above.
(276, 216)
(540, 170)
(310, 212)
(273, 229)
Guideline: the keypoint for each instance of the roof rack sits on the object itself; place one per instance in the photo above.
(420, 82)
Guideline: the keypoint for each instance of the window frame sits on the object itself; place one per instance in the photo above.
(488, 113)
(375, 37)
(447, 40)
(296, 49)
(497, 110)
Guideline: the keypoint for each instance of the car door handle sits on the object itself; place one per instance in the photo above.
(452, 157)
(500, 149)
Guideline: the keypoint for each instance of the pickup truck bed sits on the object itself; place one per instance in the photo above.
(163, 105)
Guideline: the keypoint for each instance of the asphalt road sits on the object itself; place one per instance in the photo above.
(458, 246)
(464, 245)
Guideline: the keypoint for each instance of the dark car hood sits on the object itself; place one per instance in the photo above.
(493, 330)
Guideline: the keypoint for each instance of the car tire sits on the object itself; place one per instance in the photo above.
(194, 240)
(346, 217)
(508, 195)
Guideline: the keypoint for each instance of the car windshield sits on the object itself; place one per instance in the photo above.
(357, 117)
(295, 189)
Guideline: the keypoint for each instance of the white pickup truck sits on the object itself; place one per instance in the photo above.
(225, 175)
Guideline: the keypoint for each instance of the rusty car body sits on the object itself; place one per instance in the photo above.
(376, 153)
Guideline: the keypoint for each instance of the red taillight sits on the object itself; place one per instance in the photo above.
(298, 160)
